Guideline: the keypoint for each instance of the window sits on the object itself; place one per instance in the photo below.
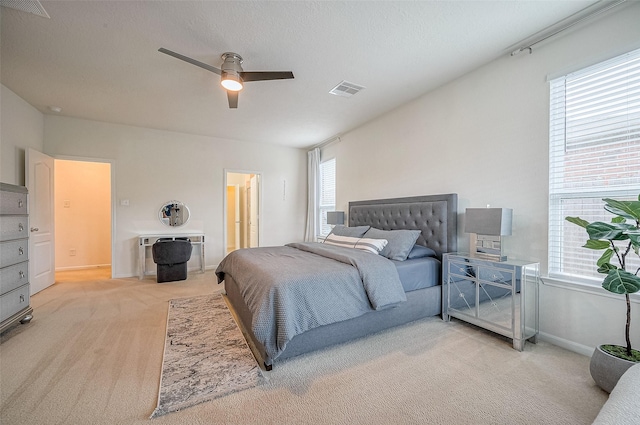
(327, 201)
(594, 153)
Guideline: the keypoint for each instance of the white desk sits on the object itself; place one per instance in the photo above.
(146, 265)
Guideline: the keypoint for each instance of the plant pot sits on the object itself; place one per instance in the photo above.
(607, 369)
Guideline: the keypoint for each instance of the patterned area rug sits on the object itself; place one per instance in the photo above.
(205, 355)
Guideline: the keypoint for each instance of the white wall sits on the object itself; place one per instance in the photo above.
(154, 166)
(485, 136)
(21, 128)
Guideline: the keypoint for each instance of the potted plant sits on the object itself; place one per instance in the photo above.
(618, 239)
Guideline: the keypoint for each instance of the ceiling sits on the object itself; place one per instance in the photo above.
(99, 60)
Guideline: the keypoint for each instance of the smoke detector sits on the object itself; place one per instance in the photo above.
(346, 89)
(29, 6)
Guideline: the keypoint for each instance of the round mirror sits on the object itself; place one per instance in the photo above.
(174, 214)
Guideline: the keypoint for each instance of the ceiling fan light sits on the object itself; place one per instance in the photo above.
(231, 82)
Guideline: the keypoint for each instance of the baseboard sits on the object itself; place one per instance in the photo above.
(95, 266)
(566, 344)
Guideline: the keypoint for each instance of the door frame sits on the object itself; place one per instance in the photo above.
(113, 199)
(260, 175)
(236, 212)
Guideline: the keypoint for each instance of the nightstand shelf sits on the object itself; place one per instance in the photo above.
(501, 296)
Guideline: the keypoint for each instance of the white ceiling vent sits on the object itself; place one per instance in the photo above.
(26, 6)
(346, 89)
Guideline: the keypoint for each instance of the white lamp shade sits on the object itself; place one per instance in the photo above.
(488, 221)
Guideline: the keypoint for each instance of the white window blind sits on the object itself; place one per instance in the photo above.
(594, 153)
(327, 200)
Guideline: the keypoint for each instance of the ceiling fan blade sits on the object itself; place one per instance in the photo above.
(191, 61)
(233, 99)
(266, 75)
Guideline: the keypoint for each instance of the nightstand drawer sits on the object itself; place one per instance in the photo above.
(462, 270)
(495, 275)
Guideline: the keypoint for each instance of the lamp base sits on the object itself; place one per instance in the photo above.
(487, 247)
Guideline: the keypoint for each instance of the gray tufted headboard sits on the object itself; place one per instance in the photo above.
(435, 215)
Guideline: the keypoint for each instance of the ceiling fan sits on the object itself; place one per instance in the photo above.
(231, 73)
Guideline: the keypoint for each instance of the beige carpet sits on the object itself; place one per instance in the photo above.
(93, 353)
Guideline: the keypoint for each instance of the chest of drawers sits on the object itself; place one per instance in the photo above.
(14, 256)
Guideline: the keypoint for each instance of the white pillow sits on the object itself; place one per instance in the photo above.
(370, 245)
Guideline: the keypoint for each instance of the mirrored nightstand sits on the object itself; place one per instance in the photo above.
(499, 296)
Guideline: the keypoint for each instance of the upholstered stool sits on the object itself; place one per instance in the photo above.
(171, 257)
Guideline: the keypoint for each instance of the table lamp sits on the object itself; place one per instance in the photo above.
(486, 227)
(335, 217)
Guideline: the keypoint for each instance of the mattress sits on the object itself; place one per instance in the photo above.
(419, 273)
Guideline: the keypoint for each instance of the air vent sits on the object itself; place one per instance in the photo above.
(346, 89)
(26, 6)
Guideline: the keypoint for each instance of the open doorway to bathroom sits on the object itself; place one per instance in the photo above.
(242, 210)
(82, 211)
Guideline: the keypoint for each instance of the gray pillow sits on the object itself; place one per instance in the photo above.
(352, 232)
(399, 243)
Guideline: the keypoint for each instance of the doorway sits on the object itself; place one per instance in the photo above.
(83, 216)
(242, 210)
(41, 181)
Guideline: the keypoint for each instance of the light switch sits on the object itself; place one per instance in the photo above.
(67, 203)
(124, 202)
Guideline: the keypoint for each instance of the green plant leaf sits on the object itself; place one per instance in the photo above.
(618, 219)
(609, 231)
(606, 268)
(605, 258)
(596, 244)
(627, 209)
(621, 282)
(634, 236)
(577, 220)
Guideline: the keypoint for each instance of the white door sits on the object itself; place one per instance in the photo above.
(254, 216)
(39, 181)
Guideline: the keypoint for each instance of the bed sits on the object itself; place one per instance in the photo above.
(433, 218)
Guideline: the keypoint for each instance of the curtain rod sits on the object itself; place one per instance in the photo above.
(529, 46)
(327, 142)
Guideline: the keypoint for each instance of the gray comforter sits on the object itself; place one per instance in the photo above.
(295, 288)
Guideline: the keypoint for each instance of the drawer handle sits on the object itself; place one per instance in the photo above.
(21, 273)
(20, 227)
(34, 229)
(21, 298)
(20, 251)
(19, 203)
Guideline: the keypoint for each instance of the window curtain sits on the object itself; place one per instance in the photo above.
(313, 170)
